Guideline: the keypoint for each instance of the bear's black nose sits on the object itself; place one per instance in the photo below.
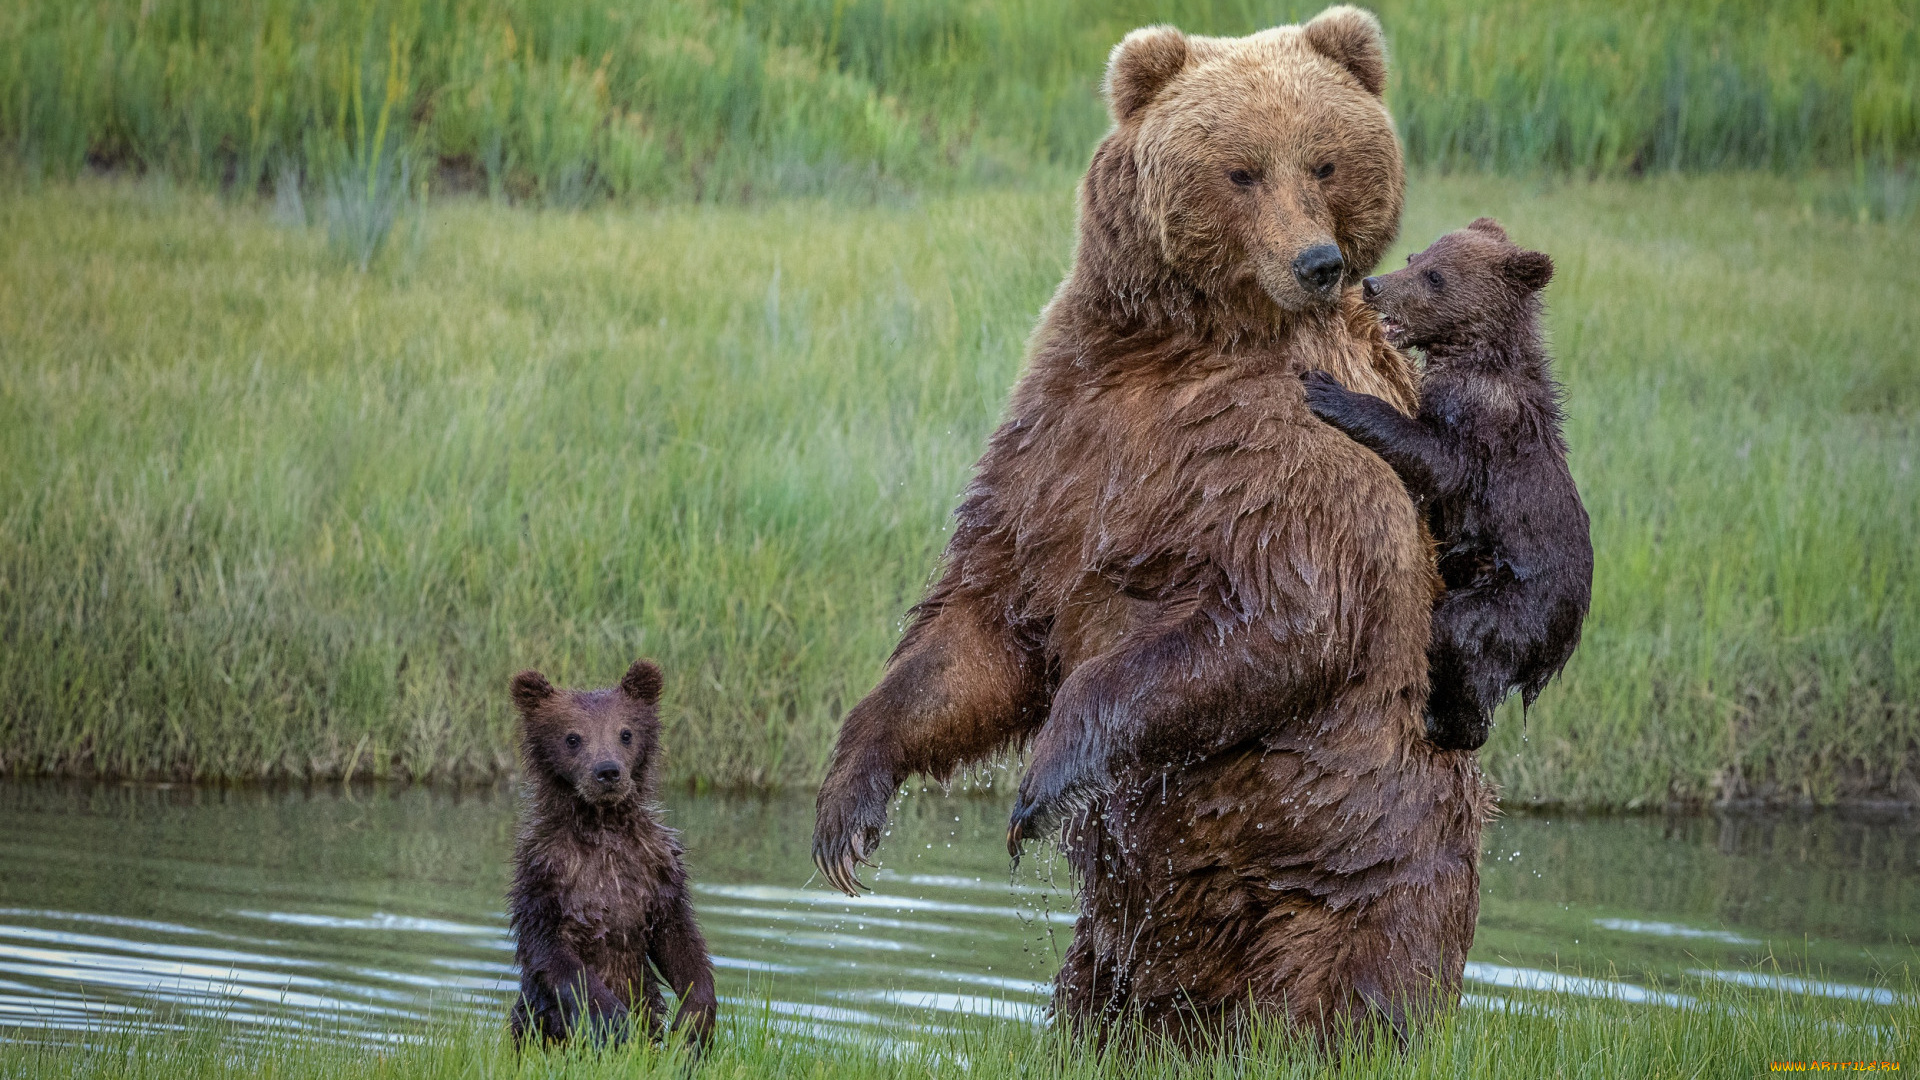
(1370, 288)
(606, 772)
(1318, 268)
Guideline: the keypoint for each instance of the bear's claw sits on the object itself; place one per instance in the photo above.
(839, 871)
(1030, 818)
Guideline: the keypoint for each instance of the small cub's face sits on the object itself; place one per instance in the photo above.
(1470, 286)
(600, 743)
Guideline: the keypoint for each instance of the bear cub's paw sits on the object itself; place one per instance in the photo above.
(1329, 400)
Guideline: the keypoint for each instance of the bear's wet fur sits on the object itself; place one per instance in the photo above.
(599, 897)
(1204, 611)
(1484, 457)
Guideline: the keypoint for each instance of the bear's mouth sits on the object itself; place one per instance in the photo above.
(1395, 332)
(606, 794)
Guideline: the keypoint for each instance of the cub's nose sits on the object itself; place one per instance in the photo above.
(1318, 268)
(1370, 288)
(606, 772)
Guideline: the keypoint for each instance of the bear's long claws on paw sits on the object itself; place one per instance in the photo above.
(846, 833)
(1067, 768)
(1036, 815)
(1032, 819)
(839, 871)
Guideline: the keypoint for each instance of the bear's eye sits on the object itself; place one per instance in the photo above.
(1433, 278)
(626, 737)
(1242, 178)
(573, 741)
(1323, 171)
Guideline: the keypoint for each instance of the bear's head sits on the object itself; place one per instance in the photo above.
(1472, 287)
(600, 744)
(1261, 167)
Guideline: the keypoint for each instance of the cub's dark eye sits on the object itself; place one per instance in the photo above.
(573, 742)
(1433, 278)
(1323, 171)
(1242, 178)
(626, 737)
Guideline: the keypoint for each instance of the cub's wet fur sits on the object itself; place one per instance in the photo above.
(599, 898)
(1486, 461)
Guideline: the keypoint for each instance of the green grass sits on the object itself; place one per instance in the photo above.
(564, 101)
(264, 516)
(1728, 1032)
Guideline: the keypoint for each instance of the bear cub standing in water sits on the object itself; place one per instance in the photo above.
(1485, 461)
(599, 889)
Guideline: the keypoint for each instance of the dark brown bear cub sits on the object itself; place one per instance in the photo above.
(1485, 460)
(599, 889)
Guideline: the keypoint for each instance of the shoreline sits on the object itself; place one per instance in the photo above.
(1861, 808)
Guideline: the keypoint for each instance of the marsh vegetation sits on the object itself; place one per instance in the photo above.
(567, 102)
(266, 516)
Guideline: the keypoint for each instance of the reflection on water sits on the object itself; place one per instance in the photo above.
(358, 911)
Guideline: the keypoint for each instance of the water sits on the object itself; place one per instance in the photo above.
(361, 910)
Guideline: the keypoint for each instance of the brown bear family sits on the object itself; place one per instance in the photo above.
(1206, 612)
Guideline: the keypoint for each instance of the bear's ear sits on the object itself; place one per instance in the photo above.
(642, 682)
(1529, 269)
(530, 688)
(1141, 66)
(1489, 226)
(1353, 39)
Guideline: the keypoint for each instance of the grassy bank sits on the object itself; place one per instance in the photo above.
(1725, 1032)
(262, 515)
(565, 101)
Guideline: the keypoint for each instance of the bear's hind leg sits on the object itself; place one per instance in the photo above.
(1472, 665)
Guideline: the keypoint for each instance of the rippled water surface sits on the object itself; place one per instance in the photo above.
(362, 909)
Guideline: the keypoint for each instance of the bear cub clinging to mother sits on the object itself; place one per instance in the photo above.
(599, 889)
(1485, 460)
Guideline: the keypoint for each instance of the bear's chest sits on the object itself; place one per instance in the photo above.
(1128, 484)
(1122, 499)
(607, 893)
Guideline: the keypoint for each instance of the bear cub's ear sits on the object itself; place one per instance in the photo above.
(1489, 226)
(1141, 66)
(1530, 270)
(530, 688)
(642, 682)
(1353, 39)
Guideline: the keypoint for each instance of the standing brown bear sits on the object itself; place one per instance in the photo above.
(599, 889)
(1206, 610)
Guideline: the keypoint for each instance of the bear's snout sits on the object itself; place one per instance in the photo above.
(1370, 288)
(607, 772)
(1318, 269)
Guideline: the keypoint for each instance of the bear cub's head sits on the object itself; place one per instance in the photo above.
(1471, 288)
(601, 744)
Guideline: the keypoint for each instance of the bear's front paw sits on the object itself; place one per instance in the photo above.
(1325, 396)
(696, 1016)
(846, 832)
(1062, 777)
(1461, 730)
(607, 1018)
